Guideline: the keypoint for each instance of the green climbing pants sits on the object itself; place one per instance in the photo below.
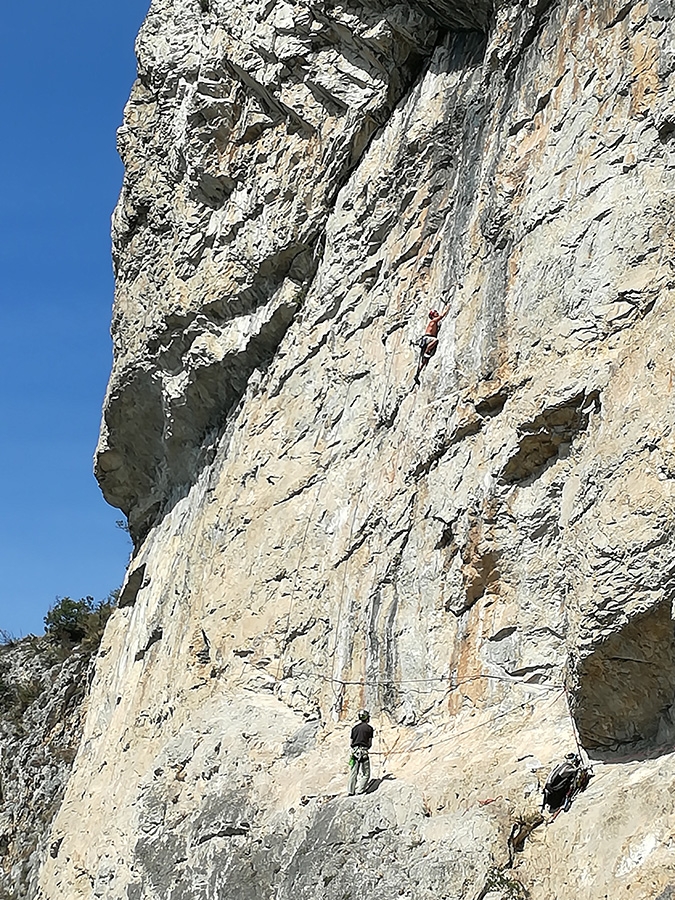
(360, 772)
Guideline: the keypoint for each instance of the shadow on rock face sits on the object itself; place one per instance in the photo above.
(157, 442)
(376, 782)
(623, 704)
(668, 893)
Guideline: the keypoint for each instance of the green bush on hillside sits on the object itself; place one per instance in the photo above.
(79, 621)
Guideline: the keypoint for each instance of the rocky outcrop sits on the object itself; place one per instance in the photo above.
(485, 561)
(42, 688)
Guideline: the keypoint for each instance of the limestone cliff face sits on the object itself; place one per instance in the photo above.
(486, 561)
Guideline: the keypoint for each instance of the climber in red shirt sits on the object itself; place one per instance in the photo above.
(429, 341)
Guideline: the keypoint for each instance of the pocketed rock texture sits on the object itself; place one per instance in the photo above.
(486, 562)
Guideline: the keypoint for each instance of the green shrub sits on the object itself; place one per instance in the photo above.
(79, 621)
(66, 620)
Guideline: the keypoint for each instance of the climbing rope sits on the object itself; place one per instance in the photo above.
(557, 690)
(337, 698)
(282, 655)
(337, 693)
(302, 547)
(436, 679)
(488, 722)
(580, 750)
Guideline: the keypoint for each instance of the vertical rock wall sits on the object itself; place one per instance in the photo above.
(475, 560)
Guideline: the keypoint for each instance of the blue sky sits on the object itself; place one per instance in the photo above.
(65, 73)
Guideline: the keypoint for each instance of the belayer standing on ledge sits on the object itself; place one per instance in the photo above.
(429, 341)
(362, 741)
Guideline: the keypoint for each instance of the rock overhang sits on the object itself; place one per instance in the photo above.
(460, 15)
(625, 686)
